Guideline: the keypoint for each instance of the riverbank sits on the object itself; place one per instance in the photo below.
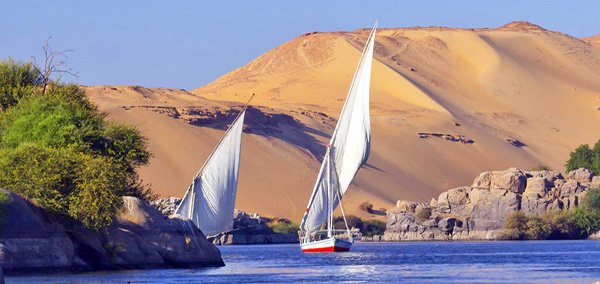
(478, 212)
(32, 240)
(247, 229)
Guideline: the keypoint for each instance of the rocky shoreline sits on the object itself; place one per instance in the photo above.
(247, 229)
(140, 237)
(478, 212)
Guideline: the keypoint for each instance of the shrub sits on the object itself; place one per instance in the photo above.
(17, 80)
(586, 221)
(81, 186)
(366, 227)
(562, 224)
(515, 225)
(537, 228)
(57, 149)
(284, 227)
(423, 213)
(65, 118)
(373, 227)
(591, 201)
(595, 167)
(53, 121)
(366, 206)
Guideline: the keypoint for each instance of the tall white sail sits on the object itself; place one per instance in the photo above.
(349, 146)
(210, 199)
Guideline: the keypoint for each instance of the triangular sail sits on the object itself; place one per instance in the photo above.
(349, 146)
(210, 199)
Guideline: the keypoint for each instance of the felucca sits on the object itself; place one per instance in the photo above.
(347, 151)
(210, 199)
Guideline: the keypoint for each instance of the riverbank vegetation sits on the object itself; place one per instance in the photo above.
(59, 150)
(368, 228)
(585, 157)
(578, 223)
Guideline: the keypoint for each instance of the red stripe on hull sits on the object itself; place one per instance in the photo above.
(327, 249)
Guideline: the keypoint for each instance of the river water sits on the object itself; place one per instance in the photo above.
(414, 262)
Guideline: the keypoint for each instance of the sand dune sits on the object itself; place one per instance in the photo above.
(593, 40)
(446, 104)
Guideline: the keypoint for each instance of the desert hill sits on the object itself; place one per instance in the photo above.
(593, 40)
(446, 104)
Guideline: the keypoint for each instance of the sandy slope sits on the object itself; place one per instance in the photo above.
(482, 88)
(593, 40)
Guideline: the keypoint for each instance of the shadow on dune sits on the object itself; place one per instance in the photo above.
(270, 125)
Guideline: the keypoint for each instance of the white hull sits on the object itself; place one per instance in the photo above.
(332, 244)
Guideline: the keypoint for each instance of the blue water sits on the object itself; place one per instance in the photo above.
(416, 262)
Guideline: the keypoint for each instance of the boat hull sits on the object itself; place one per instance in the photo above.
(327, 245)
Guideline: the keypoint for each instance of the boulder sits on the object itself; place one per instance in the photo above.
(512, 180)
(30, 240)
(430, 223)
(581, 175)
(550, 176)
(399, 221)
(177, 240)
(140, 237)
(489, 209)
(443, 203)
(483, 181)
(569, 188)
(457, 199)
(537, 185)
(407, 206)
(446, 224)
(167, 205)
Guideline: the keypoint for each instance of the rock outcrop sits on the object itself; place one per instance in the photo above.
(140, 237)
(477, 212)
(247, 229)
(251, 229)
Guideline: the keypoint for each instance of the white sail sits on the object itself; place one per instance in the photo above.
(210, 199)
(349, 146)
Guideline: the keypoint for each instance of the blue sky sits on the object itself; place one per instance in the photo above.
(187, 44)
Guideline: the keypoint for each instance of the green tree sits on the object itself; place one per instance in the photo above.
(595, 167)
(580, 158)
(60, 151)
(65, 118)
(17, 80)
(59, 121)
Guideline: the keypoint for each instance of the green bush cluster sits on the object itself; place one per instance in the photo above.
(59, 150)
(557, 224)
(284, 227)
(585, 157)
(368, 228)
(17, 79)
